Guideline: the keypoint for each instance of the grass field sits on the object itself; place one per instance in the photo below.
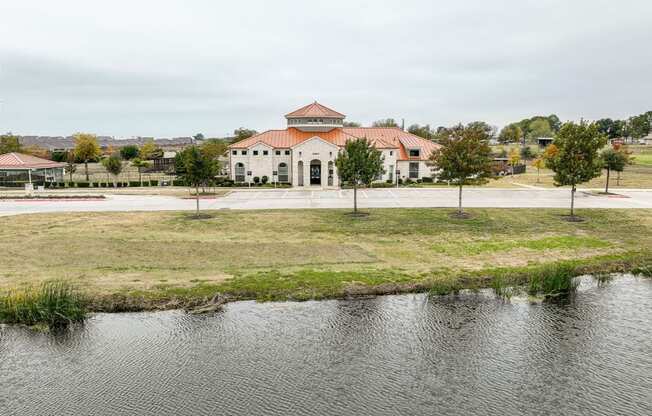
(163, 259)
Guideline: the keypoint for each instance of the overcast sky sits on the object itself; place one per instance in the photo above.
(175, 68)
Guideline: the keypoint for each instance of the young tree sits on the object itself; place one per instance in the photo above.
(86, 149)
(539, 163)
(464, 159)
(9, 143)
(140, 164)
(196, 169)
(514, 158)
(149, 150)
(359, 163)
(575, 158)
(71, 167)
(129, 152)
(612, 160)
(113, 165)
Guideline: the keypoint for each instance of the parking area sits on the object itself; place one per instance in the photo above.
(437, 197)
(335, 198)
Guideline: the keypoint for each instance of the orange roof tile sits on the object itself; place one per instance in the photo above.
(315, 110)
(23, 161)
(380, 137)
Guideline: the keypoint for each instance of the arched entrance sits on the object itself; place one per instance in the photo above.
(300, 173)
(239, 172)
(315, 172)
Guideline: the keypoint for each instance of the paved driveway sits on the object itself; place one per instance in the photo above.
(369, 198)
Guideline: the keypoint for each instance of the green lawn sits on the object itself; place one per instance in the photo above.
(161, 259)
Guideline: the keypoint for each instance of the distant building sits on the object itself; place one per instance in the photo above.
(303, 154)
(544, 142)
(17, 169)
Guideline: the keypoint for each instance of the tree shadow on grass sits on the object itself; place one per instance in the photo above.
(460, 215)
(572, 218)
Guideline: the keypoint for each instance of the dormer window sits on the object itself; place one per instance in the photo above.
(415, 152)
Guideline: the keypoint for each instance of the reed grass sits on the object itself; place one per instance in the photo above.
(553, 280)
(52, 303)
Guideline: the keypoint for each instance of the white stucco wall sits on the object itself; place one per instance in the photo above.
(424, 169)
(260, 165)
(309, 150)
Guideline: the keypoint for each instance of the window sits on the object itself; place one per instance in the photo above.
(244, 152)
(391, 153)
(234, 152)
(283, 173)
(265, 152)
(390, 173)
(287, 153)
(414, 152)
(414, 170)
(255, 152)
(277, 152)
(239, 172)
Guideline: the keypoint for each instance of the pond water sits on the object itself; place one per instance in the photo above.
(398, 355)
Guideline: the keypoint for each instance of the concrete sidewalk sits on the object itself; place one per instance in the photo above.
(367, 198)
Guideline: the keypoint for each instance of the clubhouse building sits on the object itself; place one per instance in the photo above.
(303, 154)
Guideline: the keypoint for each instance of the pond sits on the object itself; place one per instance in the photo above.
(395, 355)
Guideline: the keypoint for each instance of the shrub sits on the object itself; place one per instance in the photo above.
(408, 181)
(419, 181)
(382, 185)
(154, 182)
(264, 179)
(427, 179)
(256, 180)
(82, 184)
(53, 303)
(134, 183)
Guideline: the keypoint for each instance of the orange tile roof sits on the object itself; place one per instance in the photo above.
(380, 137)
(23, 161)
(315, 110)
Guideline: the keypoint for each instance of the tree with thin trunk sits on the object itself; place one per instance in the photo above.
(71, 167)
(140, 164)
(113, 165)
(612, 160)
(359, 163)
(575, 158)
(196, 169)
(86, 149)
(464, 158)
(539, 163)
(514, 158)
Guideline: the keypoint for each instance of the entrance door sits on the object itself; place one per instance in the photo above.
(315, 172)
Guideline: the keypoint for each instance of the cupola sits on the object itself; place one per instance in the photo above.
(315, 117)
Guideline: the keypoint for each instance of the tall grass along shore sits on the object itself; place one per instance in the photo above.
(51, 303)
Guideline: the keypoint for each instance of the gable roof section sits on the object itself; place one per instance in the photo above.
(23, 161)
(315, 110)
(380, 137)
